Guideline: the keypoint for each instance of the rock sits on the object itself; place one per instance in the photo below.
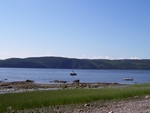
(4, 85)
(110, 112)
(136, 97)
(65, 87)
(9, 108)
(87, 105)
(80, 111)
(63, 81)
(76, 81)
(9, 87)
(115, 83)
(147, 96)
(56, 81)
(57, 107)
(29, 81)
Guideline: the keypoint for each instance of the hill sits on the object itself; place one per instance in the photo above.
(68, 63)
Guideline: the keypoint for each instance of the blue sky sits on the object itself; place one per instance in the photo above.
(105, 29)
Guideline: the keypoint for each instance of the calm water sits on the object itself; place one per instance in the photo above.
(47, 75)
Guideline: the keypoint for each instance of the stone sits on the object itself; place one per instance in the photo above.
(136, 97)
(29, 81)
(110, 112)
(86, 104)
(76, 81)
(147, 96)
(56, 81)
(9, 108)
(80, 111)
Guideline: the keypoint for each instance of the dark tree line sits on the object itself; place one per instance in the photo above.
(69, 63)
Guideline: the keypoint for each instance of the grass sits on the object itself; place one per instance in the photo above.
(68, 96)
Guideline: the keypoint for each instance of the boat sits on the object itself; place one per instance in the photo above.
(73, 73)
(128, 79)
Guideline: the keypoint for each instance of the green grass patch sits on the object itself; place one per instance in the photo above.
(68, 96)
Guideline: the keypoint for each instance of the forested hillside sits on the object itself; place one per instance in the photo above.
(72, 63)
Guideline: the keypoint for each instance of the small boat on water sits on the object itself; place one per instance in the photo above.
(73, 73)
(128, 79)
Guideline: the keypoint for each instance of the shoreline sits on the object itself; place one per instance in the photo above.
(136, 104)
(29, 85)
(130, 105)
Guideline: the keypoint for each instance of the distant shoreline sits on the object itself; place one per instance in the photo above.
(73, 63)
(21, 86)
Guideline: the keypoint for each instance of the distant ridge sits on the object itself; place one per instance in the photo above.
(69, 63)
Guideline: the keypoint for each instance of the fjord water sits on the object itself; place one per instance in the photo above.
(84, 75)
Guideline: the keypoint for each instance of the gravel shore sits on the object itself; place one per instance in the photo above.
(132, 105)
(21, 86)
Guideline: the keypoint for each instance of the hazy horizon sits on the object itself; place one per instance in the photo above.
(76, 58)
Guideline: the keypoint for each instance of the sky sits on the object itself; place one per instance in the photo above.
(91, 29)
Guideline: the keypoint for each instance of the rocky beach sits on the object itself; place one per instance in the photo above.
(130, 105)
(29, 85)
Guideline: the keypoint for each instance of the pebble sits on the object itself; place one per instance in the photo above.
(147, 96)
(110, 112)
(9, 108)
(136, 96)
(86, 104)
